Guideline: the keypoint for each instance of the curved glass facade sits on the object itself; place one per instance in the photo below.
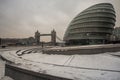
(92, 26)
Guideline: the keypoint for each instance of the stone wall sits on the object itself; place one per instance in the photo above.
(23, 74)
(84, 49)
(2, 68)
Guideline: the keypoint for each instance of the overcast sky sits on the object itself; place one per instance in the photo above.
(21, 18)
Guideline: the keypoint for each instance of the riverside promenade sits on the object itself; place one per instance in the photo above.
(33, 64)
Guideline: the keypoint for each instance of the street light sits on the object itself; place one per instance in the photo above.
(88, 37)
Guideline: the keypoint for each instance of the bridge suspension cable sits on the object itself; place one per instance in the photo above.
(59, 39)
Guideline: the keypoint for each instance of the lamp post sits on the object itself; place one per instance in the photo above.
(88, 38)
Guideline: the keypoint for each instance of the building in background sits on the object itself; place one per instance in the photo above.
(115, 38)
(92, 26)
(29, 41)
(17, 41)
(116, 33)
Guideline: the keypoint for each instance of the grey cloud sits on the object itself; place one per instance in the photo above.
(21, 18)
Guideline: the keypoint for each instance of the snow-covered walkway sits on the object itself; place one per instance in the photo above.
(78, 67)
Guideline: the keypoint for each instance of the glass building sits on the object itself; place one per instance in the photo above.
(94, 25)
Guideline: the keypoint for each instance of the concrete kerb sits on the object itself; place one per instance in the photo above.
(83, 50)
(28, 75)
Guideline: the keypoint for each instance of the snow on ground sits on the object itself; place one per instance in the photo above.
(116, 54)
(44, 58)
(78, 67)
(97, 61)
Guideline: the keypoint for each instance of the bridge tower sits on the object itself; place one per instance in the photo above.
(0, 41)
(53, 37)
(37, 37)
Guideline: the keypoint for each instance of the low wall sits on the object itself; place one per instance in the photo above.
(23, 74)
(2, 68)
(84, 49)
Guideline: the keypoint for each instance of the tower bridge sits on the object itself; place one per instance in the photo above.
(52, 34)
(45, 34)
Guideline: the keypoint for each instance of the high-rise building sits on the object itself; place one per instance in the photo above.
(94, 25)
